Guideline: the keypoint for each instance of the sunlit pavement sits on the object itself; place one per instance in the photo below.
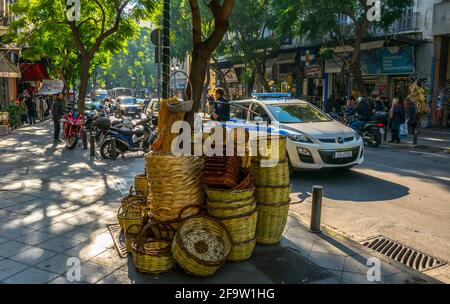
(55, 204)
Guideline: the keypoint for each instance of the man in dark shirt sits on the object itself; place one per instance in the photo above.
(57, 114)
(222, 111)
(31, 108)
(363, 111)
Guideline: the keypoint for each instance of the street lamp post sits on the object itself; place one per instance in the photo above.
(166, 48)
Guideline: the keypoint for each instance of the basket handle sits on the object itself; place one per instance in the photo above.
(188, 81)
(180, 216)
(143, 237)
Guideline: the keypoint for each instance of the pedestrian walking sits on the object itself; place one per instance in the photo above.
(58, 108)
(42, 108)
(31, 108)
(397, 118)
(222, 109)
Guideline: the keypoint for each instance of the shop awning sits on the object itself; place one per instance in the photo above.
(7, 69)
(34, 72)
(286, 58)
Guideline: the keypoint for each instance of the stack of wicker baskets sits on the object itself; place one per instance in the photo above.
(174, 184)
(272, 192)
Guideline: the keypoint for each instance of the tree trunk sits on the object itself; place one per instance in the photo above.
(225, 87)
(197, 78)
(84, 80)
(260, 73)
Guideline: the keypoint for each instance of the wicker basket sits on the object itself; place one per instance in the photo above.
(133, 198)
(168, 229)
(272, 194)
(231, 208)
(201, 246)
(267, 147)
(174, 183)
(277, 175)
(271, 222)
(130, 215)
(141, 184)
(241, 228)
(223, 195)
(131, 235)
(242, 251)
(151, 255)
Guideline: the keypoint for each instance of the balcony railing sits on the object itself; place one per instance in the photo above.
(5, 18)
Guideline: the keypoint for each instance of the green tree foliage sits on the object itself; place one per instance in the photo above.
(106, 24)
(322, 21)
(250, 25)
(133, 68)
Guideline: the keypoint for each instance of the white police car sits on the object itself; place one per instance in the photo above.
(315, 141)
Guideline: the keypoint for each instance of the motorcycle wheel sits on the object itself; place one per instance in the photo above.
(375, 139)
(105, 149)
(71, 142)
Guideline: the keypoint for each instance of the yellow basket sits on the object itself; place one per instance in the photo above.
(272, 194)
(151, 255)
(141, 185)
(271, 222)
(242, 251)
(241, 228)
(132, 198)
(131, 235)
(277, 175)
(201, 246)
(230, 209)
(222, 195)
(129, 215)
(267, 147)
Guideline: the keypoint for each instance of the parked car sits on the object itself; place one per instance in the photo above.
(314, 140)
(129, 106)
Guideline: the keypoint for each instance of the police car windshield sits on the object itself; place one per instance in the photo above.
(297, 113)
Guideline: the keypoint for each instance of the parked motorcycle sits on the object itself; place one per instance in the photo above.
(129, 139)
(73, 125)
(372, 132)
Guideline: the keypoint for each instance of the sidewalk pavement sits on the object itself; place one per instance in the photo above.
(436, 140)
(55, 204)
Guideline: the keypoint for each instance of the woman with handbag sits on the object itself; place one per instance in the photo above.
(397, 118)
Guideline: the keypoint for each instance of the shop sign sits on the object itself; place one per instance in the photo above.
(51, 87)
(313, 71)
(388, 61)
(333, 65)
(307, 57)
(230, 75)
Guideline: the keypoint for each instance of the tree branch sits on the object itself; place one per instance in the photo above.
(196, 22)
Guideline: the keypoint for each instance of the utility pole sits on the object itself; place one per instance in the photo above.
(166, 49)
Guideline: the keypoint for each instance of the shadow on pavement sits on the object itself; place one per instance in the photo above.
(348, 186)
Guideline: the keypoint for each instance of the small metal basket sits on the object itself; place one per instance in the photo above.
(182, 105)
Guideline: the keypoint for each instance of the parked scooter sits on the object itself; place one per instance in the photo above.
(129, 139)
(73, 125)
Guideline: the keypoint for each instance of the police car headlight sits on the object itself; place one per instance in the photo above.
(357, 136)
(300, 138)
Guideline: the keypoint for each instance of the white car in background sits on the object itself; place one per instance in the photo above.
(314, 140)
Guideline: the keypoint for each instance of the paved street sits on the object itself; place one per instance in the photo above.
(399, 193)
(55, 204)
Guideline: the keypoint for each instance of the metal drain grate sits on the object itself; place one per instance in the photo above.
(403, 254)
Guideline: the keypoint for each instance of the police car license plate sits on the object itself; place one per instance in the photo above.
(343, 154)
